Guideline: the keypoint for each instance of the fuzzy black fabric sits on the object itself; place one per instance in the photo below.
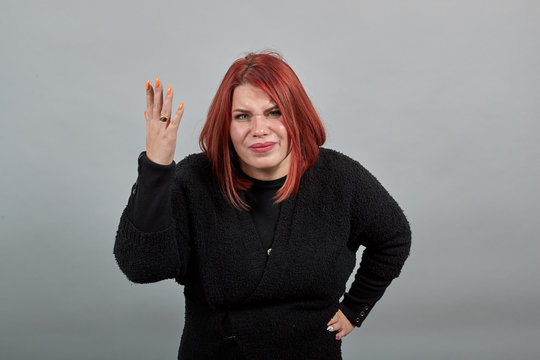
(264, 211)
(273, 306)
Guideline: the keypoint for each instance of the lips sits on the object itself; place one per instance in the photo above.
(262, 147)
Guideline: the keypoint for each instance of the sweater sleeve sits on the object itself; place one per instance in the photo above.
(379, 224)
(365, 291)
(149, 205)
(152, 240)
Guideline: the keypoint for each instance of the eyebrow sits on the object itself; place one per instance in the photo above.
(249, 112)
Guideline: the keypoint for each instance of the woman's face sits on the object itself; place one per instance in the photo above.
(258, 134)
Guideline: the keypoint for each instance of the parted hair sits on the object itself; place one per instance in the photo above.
(269, 72)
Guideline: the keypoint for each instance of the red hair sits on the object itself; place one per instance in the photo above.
(270, 73)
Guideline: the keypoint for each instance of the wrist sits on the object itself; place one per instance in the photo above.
(165, 161)
(355, 314)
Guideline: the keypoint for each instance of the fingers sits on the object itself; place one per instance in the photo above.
(342, 333)
(166, 110)
(339, 329)
(158, 100)
(333, 320)
(149, 100)
(175, 120)
(156, 106)
(339, 325)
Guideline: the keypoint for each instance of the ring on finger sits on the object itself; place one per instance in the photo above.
(163, 118)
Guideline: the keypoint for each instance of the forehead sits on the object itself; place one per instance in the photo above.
(249, 97)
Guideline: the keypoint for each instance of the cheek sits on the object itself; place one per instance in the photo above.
(282, 133)
(237, 136)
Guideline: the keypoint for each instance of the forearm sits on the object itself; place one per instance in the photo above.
(146, 257)
(365, 291)
(149, 245)
(149, 205)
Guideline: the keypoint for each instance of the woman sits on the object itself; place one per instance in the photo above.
(263, 226)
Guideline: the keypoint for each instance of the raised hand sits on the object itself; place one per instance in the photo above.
(161, 129)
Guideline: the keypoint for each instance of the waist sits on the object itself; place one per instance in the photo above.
(269, 318)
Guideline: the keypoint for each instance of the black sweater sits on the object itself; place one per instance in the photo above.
(373, 219)
(146, 211)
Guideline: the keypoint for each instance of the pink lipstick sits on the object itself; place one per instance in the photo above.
(262, 147)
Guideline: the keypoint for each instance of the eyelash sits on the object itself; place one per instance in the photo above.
(273, 113)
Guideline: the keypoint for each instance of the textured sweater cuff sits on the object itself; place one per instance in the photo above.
(355, 312)
(154, 171)
(365, 291)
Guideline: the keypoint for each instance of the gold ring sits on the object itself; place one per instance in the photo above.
(163, 118)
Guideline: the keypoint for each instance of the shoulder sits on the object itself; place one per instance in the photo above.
(339, 171)
(339, 166)
(331, 156)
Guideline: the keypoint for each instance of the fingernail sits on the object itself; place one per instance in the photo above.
(147, 84)
(144, 113)
(169, 89)
(329, 328)
(157, 81)
(338, 337)
(181, 106)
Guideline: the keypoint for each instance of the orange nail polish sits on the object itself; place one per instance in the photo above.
(157, 81)
(147, 84)
(169, 90)
(144, 113)
(181, 106)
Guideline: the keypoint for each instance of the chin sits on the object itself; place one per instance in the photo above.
(263, 165)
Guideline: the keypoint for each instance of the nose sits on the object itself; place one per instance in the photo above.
(259, 126)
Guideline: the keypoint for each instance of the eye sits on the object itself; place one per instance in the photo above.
(274, 114)
(241, 117)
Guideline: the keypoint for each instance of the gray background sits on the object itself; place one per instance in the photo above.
(438, 99)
